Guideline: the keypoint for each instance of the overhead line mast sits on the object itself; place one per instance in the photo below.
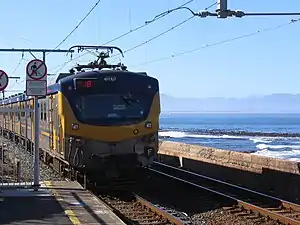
(223, 12)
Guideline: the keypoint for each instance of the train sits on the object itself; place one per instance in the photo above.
(98, 119)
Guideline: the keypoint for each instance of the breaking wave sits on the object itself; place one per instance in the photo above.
(278, 145)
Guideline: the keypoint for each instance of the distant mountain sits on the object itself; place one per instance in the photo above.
(275, 103)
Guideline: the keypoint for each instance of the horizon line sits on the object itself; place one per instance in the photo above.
(223, 112)
(249, 96)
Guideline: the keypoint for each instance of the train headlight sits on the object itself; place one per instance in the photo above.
(148, 124)
(75, 126)
(135, 131)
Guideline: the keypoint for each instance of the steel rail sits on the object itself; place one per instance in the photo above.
(139, 210)
(286, 204)
(251, 207)
(172, 219)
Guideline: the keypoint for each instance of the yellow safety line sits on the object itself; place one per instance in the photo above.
(71, 215)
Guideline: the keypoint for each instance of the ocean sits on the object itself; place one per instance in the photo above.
(272, 135)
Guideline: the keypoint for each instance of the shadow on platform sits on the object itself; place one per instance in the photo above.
(18, 208)
(32, 210)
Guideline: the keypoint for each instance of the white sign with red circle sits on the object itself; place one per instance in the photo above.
(36, 78)
(36, 70)
(3, 80)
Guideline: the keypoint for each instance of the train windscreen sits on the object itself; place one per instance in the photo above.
(113, 103)
(106, 106)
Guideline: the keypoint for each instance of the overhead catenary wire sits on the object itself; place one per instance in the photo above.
(178, 8)
(146, 23)
(156, 36)
(164, 32)
(18, 64)
(61, 66)
(77, 26)
(218, 43)
(121, 36)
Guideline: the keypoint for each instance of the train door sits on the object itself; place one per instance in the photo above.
(19, 118)
(56, 126)
(30, 120)
(51, 129)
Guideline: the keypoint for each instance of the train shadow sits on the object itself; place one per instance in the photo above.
(182, 197)
(275, 183)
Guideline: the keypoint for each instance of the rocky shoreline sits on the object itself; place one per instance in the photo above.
(236, 133)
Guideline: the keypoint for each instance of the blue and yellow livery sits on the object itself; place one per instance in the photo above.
(96, 121)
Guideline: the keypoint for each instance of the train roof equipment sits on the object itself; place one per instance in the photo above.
(100, 63)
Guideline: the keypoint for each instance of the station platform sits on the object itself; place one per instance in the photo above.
(57, 202)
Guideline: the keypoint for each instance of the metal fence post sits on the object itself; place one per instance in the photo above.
(18, 171)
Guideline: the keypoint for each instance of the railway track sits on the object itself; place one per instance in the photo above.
(247, 200)
(132, 208)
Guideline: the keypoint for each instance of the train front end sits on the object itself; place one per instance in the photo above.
(110, 120)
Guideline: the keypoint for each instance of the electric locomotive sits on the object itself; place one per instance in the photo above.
(99, 119)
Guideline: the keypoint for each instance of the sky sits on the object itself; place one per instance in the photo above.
(260, 64)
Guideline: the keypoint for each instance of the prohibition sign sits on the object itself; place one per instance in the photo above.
(36, 69)
(3, 80)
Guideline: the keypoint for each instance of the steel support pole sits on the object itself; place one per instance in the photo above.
(36, 183)
(36, 169)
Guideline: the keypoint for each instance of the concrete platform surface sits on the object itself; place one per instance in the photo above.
(32, 210)
(59, 202)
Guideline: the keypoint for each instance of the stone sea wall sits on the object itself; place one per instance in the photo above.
(239, 160)
(272, 176)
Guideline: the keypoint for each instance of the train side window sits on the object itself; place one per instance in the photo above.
(23, 108)
(45, 110)
(41, 105)
(28, 107)
(31, 107)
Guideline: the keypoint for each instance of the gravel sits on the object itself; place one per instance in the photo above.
(219, 216)
(224, 217)
(13, 153)
(6, 168)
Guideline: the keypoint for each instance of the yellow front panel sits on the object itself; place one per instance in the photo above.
(106, 133)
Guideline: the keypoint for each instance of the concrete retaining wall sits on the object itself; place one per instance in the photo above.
(269, 175)
(242, 161)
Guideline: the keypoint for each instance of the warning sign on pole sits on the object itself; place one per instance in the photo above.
(3, 80)
(36, 78)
